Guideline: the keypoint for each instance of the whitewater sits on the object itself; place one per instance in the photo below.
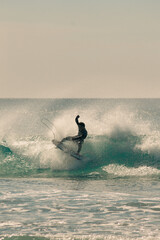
(112, 193)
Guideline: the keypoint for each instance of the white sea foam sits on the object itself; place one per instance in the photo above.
(122, 171)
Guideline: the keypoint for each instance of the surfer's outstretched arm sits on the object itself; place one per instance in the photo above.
(76, 119)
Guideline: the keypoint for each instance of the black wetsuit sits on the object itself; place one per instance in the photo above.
(82, 132)
(79, 139)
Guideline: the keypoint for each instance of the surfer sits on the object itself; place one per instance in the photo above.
(79, 138)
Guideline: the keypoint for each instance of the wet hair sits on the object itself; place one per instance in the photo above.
(82, 124)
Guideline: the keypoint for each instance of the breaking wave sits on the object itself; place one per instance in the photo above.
(121, 142)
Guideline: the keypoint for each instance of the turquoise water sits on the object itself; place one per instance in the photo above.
(113, 193)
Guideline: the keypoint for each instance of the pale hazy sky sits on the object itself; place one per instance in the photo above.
(79, 48)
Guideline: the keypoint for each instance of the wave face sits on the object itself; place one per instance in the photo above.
(123, 139)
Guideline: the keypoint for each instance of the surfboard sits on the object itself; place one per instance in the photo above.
(63, 148)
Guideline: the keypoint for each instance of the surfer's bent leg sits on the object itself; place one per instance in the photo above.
(66, 139)
(79, 146)
(79, 141)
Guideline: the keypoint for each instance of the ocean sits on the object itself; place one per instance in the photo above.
(113, 193)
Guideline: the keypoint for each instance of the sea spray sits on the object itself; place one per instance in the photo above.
(118, 133)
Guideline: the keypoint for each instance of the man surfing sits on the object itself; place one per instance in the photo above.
(79, 138)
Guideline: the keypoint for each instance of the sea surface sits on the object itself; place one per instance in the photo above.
(113, 193)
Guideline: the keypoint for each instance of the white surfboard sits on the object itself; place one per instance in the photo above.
(62, 147)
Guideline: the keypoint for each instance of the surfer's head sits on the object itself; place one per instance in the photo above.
(82, 124)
